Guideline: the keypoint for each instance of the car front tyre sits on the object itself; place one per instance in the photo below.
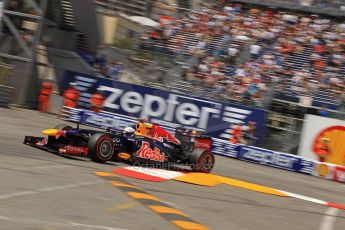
(100, 148)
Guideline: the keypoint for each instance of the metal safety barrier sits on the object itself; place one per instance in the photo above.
(5, 73)
(69, 114)
(6, 95)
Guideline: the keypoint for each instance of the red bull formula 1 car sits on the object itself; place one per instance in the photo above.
(149, 144)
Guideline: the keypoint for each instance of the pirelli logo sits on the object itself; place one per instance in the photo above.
(174, 216)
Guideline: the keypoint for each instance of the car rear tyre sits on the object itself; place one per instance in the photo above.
(202, 161)
(63, 127)
(100, 148)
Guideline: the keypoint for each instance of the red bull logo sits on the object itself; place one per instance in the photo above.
(42, 142)
(172, 139)
(159, 134)
(146, 152)
(60, 133)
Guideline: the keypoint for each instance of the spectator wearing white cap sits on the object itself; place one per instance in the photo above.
(255, 50)
(232, 54)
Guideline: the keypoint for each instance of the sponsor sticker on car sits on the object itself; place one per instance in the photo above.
(202, 144)
(77, 150)
(146, 152)
(124, 156)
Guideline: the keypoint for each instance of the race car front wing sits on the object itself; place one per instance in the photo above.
(42, 143)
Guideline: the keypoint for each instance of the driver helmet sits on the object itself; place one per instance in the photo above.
(128, 131)
(143, 128)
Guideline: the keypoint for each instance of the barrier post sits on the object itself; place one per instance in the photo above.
(4, 73)
(6, 92)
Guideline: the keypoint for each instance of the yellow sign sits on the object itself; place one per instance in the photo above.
(329, 145)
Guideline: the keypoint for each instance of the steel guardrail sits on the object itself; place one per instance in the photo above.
(6, 96)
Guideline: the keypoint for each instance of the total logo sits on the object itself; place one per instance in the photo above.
(202, 144)
(74, 150)
(146, 152)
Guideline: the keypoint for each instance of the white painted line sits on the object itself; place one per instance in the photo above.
(48, 189)
(40, 167)
(95, 226)
(52, 223)
(172, 205)
(306, 198)
(328, 221)
(52, 166)
(16, 194)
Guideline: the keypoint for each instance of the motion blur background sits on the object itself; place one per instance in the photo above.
(285, 58)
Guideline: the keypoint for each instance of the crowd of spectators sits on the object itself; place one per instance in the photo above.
(322, 42)
(337, 4)
(111, 69)
(240, 53)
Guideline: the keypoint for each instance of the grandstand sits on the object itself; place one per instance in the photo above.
(129, 7)
(150, 8)
(289, 44)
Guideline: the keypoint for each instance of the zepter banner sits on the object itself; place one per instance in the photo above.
(167, 108)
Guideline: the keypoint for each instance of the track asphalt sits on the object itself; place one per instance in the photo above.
(42, 191)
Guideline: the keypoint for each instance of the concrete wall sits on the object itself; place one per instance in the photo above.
(113, 26)
(124, 25)
(107, 24)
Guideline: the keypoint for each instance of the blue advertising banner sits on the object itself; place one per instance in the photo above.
(276, 159)
(166, 108)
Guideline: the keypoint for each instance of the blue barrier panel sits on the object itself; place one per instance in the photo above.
(105, 120)
(225, 148)
(276, 159)
(166, 108)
